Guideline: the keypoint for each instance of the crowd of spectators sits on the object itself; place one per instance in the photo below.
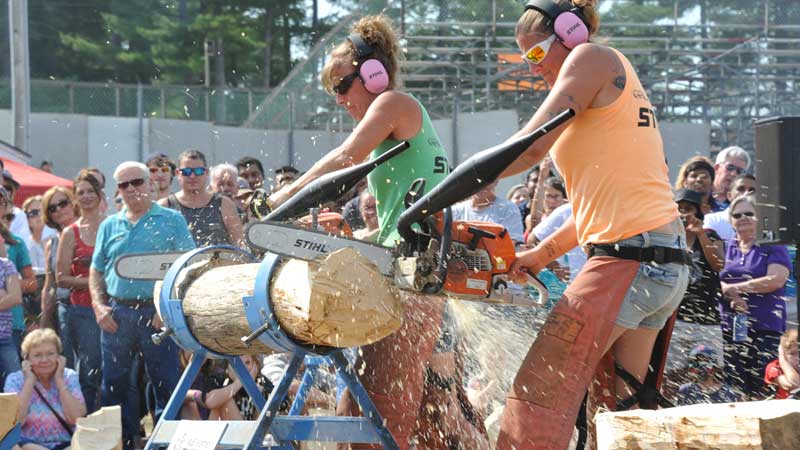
(87, 332)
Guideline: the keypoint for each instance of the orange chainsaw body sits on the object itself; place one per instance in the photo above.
(472, 272)
(329, 222)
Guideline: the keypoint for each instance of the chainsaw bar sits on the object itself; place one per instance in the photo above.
(145, 266)
(308, 245)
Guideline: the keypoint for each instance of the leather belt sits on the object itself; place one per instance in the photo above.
(656, 254)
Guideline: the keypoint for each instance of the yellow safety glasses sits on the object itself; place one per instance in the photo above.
(537, 53)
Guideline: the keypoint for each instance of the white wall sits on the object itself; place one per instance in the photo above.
(76, 141)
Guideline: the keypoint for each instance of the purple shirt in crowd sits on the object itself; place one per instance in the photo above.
(767, 311)
(7, 269)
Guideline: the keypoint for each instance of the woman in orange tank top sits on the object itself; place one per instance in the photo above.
(614, 169)
(72, 272)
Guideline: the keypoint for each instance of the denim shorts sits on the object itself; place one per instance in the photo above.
(657, 289)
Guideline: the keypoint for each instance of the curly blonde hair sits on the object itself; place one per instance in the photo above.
(379, 33)
(534, 21)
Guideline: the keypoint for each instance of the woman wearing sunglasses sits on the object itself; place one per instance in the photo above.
(753, 283)
(59, 212)
(74, 257)
(362, 73)
(612, 160)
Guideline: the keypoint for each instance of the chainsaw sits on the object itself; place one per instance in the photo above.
(466, 260)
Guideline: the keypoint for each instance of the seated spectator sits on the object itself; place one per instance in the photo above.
(518, 194)
(50, 399)
(46, 166)
(752, 282)
(707, 385)
(162, 171)
(784, 372)
(697, 174)
(284, 176)
(251, 170)
(230, 401)
(720, 221)
(10, 296)
(212, 218)
(485, 206)
(730, 163)
(369, 215)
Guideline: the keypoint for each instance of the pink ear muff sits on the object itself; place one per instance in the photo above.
(374, 76)
(571, 29)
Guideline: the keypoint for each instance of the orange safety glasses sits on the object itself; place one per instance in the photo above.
(537, 53)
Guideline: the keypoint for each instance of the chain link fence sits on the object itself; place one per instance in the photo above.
(228, 106)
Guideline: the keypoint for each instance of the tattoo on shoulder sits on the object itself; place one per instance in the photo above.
(619, 82)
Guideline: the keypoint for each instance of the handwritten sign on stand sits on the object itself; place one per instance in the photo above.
(197, 435)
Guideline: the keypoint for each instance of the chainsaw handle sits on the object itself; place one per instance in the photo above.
(534, 282)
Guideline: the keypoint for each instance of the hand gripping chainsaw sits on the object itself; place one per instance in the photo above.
(460, 259)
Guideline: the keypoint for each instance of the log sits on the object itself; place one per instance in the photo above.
(101, 430)
(341, 301)
(767, 425)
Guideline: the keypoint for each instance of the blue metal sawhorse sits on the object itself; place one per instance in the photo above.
(250, 435)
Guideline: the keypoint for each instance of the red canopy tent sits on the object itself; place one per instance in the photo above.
(32, 181)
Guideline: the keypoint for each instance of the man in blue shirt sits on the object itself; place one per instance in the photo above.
(124, 308)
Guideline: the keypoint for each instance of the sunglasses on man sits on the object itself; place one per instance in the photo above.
(345, 83)
(188, 171)
(55, 207)
(537, 53)
(135, 183)
(9, 217)
(733, 168)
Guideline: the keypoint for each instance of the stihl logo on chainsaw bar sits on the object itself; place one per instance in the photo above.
(311, 245)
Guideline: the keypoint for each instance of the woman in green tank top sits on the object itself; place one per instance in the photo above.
(385, 117)
(362, 74)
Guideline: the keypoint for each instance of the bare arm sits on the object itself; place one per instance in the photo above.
(48, 290)
(774, 279)
(714, 251)
(587, 70)
(102, 312)
(230, 217)
(12, 294)
(64, 256)
(73, 408)
(392, 115)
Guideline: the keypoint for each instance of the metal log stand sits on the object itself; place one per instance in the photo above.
(251, 435)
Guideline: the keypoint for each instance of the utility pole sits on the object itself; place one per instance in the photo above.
(20, 73)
